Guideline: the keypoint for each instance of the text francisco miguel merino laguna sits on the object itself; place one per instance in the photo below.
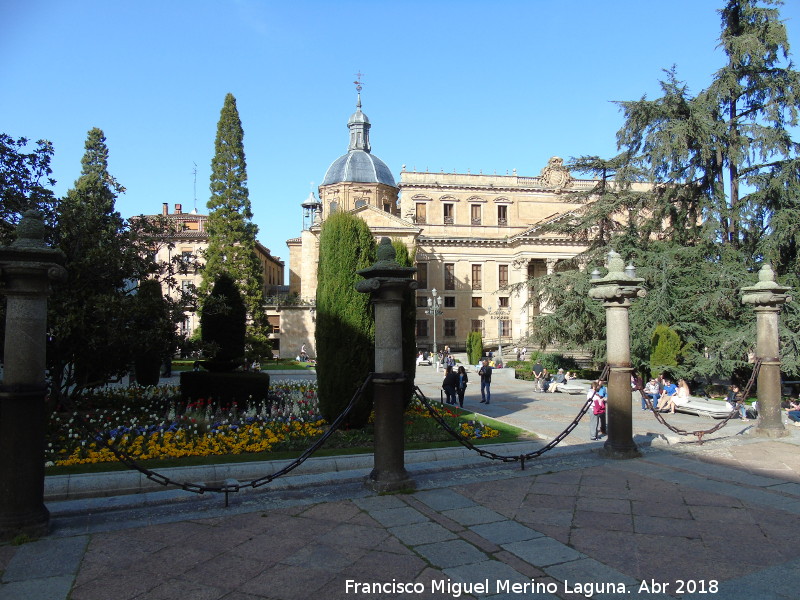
(457, 588)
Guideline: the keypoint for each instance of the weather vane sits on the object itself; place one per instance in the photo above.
(358, 81)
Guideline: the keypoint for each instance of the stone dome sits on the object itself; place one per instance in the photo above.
(359, 164)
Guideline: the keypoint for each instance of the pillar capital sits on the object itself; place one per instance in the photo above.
(767, 294)
(619, 286)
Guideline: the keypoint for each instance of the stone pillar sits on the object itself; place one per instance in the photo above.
(616, 290)
(767, 297)
(387, 282)
(26, 268)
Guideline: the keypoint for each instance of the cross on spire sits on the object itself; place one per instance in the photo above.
(358, 81)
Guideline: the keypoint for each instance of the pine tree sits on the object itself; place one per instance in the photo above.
(725, 196)
(232, 233)
(87, 312)
(345, 332)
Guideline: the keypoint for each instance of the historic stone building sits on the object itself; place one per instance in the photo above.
(475, 236)
(188, 237)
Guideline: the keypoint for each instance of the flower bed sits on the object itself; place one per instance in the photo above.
(152, 423)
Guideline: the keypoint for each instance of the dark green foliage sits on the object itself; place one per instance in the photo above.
(665, 350)
(554, 361)
(474, 347)
(153, 331)
(405, 258)
(88, 317)
(223, 326)
(345, 332)
(232, 233)
(726, 197)
(224, 388)
(24, 183)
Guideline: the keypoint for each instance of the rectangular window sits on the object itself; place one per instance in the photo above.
(422, 327)
(421, 213)
(422, 276)
(186, 286)
(475, 213)
(448, 214)
(502, 215)
(477, 301)
(449, 301)
(503, 300)
(505, 328)
(449, 276)
(477, 283)
(274, 323)
(450, 328)
(502, 275)
(387, 207)
(477, 325)
(422, 302)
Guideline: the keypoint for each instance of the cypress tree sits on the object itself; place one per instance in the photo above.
(232, 233)
(345, 332)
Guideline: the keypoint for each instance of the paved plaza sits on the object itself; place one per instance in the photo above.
(717, 520)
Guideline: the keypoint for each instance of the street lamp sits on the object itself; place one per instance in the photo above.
(434, 308)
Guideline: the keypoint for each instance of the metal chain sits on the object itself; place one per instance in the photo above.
(131, 462)
(492, 455)
(699, 434)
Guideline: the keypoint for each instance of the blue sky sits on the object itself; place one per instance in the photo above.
(490, 86)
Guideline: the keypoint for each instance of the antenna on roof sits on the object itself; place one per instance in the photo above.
(194, 172)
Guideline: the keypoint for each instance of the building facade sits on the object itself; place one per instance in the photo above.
(187, 238)
(477, 237)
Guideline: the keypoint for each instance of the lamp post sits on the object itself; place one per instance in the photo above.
(434, 308)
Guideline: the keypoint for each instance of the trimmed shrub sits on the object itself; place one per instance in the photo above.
(665, 350)
(345, 332)
(223, 326)
(474, 347)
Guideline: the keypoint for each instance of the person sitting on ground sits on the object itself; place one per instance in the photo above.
(559, 379)
(735, 401)
(679, 398)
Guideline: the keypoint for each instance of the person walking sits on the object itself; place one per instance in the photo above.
(449, 385)
(538, 369)
(462, 385)
(486, 382)
(598, 412)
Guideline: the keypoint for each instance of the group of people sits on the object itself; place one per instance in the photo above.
(664, 394)
(792, 408)
(543, 381)
(455, 383)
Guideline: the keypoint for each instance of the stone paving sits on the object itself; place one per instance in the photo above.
(718, 520)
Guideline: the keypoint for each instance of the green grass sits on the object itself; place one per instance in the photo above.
(421, 434)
